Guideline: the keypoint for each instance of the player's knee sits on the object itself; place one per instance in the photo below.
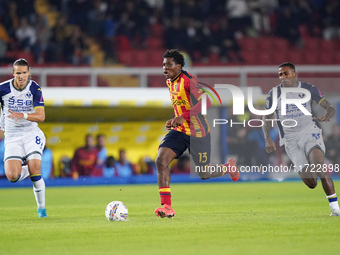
(161, 163)
(12, 177)
(312, 183)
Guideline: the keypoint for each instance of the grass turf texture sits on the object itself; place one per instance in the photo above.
(212, 218)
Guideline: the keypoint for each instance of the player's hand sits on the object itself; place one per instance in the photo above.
(168, 124)
(323, 119)
(270, 145)
(15, 115)
(177, 121)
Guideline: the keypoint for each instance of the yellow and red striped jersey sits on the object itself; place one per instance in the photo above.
(185, 93)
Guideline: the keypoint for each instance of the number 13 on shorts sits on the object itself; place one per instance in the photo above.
(203, 157)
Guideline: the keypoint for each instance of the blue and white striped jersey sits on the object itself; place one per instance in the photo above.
(303, 121)
(25, 101)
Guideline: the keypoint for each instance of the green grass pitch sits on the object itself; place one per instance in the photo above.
(212, 218)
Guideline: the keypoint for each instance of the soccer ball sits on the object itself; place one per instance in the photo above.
(116, 211)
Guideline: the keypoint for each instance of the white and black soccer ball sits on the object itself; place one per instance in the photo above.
(116, 211)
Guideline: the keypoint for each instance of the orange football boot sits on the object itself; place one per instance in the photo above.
(165, 211)
(234, 174)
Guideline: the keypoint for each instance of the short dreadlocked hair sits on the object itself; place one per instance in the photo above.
(174, 53)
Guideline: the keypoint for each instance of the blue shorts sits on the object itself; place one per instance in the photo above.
(199, 147)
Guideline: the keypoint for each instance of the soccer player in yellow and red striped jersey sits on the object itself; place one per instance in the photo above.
(189, 129)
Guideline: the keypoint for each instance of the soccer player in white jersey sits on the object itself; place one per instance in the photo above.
(22, 106)
(303, 143)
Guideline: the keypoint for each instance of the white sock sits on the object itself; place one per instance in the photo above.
(333, 202)
(39, 192)
(24, 173)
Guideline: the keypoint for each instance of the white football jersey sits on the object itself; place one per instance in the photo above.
(294, 116)
(25, 101)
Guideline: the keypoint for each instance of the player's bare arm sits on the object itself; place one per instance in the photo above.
(38, 116)
(270, 144)
(177, 121)
(330, 111)
(168, 124)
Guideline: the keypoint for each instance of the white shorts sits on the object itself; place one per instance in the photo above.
(298, 150)
(25, 146)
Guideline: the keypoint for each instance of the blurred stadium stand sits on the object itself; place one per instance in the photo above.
(139, 138)
(117, 43)
(136, 32)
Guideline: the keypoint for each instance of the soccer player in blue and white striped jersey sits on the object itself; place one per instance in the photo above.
(22, 106)
(303, 142)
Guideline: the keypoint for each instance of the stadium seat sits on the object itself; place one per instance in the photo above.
(312, 44)
(70, 81)
(265, 43)
(248, 44)
(336, 58)
(11, 54)
(310, 57)
(154, 43)
(83, 81)
(279, 44)
(156, 81)
(264, 57)
(250, 57)
(326, 58)
(123, 43)
(304, 32)
(155, 57)
(157, 30)
(214, 59)
(26, 55)
(279, 57)
(141, 58)
(102, 82)
(327, 45)
(125, 57)
(54, 81)
(294, 56)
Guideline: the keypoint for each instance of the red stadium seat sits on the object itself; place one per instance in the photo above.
(125, 57)
(123, 43)
(70, 81)
(329, 45)
(248, 44)
(336, 58)
(326, 58)
(214, 59)
(250, 57)
(157, 30)
(279, 44)
(102, 83)
(141, 58)
(83, 81)
(155, 43)
(26, 55)
(265, 43)
(279, 57)
(304, 32)
(312, 44)
(155, 57)
(156, 81)
(264, 57)
(310, 57)
(54, 81)
(295, 56)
